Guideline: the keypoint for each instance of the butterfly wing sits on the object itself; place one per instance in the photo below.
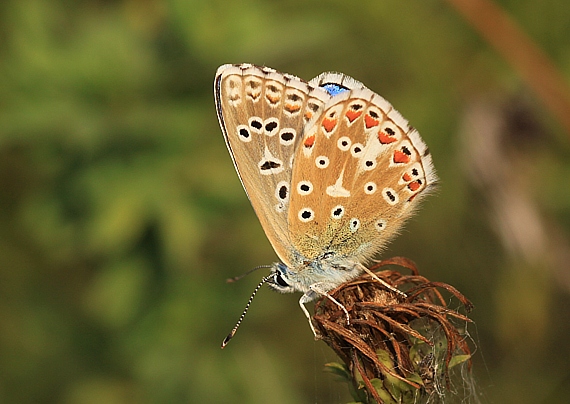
(262, 114)
(360, 172)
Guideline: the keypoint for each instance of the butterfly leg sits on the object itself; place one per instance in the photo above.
(309, 296)
(317, 289)
(386, 285)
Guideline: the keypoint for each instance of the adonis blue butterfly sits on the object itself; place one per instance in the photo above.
(331, 168)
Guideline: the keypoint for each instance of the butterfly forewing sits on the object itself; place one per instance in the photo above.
(359, 171)
(262, 114)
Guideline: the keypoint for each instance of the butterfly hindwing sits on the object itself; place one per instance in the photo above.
(359, 173)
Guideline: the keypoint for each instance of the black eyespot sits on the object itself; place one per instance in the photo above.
(373, 114)
(283, 192)
(293, 97)
(369, 163)
(406, 151)
(415, 172)
(256, 124)
(356, 107)
(270, 126)
(390, 131)
(268, 165)
(306, 214)
(244, 133)
(287, 136)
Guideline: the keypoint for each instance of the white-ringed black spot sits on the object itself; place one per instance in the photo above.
(343, 143)
(354, 224)
(322, 161)
(337, 212)
(406, 151)
(287, 136)
(370, 188)
(390, 196)
(282, 191)
(356, 107)
(373, 114)
(270, 125)
(255, 124)
(304, 187)
(389, 131)
(243, 133)
(306, 215)
(415, 172)
(356, 149)
(369, 165)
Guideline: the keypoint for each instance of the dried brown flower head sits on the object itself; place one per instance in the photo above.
(395, 348)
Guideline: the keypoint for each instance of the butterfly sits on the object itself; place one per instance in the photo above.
(331, 169)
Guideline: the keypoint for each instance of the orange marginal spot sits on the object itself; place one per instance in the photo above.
(411, 198)
(400, 157)
(352, 115)
(310, 141)
(406, 177)
(292, 107)
(329, 124)
(272, 99)
(384, 138)
(308, 115)
(414, 186)
(370, 122)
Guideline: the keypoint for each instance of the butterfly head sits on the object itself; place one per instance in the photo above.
(279, 279)
(325, 272)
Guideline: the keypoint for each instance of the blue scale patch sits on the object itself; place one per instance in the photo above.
(334, 89)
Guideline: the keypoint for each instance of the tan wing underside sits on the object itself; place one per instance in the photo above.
(377, 180)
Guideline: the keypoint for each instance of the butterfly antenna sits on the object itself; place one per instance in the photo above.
(237, 278)
(234, 330)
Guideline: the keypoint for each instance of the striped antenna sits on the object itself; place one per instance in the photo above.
(234, 330)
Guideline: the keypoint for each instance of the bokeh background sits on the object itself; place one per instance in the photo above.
(121, 215)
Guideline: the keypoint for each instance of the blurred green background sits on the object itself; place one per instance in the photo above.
(121, 215)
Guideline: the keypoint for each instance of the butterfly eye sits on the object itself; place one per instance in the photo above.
(280, 281)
